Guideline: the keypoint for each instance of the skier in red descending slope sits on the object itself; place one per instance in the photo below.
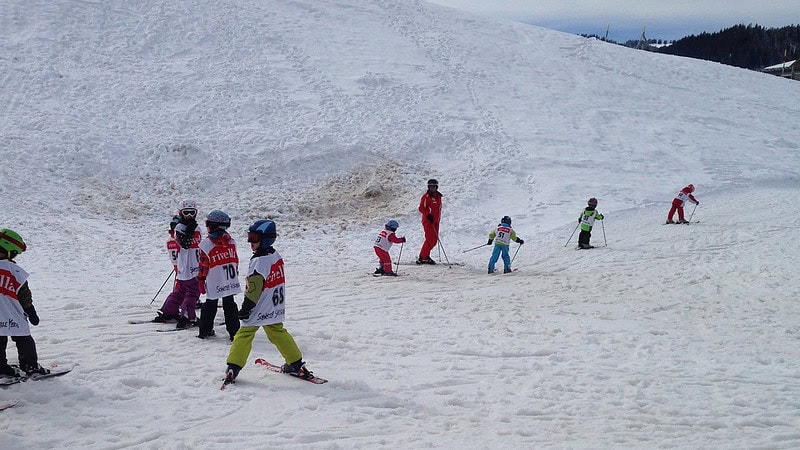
(677, 204)
(430, 206)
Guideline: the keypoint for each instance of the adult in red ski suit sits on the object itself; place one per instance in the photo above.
(430, 206)
(677, 203)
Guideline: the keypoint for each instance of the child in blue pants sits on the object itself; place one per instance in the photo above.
(502, 236)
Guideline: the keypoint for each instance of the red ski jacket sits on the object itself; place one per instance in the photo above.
(431, 203)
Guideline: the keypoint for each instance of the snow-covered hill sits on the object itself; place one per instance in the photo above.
(667, 336)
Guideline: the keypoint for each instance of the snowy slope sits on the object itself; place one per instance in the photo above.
(663, 336)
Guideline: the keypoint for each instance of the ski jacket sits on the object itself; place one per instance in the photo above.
(503, 235)
(188, 261)
(13, 281)
(265, 276)
(385, 240)
(431, 203)
(219, 267)
(587, 218)
(684, 195)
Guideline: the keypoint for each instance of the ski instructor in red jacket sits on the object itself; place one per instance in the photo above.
(430, 206)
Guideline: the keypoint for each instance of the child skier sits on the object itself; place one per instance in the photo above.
(677, 203)
(218, 275)
(264, 306)
(504, 234)
(182, 302)
(16, 305)
(586, 221)
(383, 243)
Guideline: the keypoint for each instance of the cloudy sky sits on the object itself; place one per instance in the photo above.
(625, 18)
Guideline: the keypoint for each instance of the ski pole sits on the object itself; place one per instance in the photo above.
(515, 253)
(397, 269)
(480, 246)
(692, 214)
(573, 234)
(162, 286)
(603, 224)
(441, 248)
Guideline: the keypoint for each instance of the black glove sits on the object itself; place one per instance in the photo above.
(490, 242)
(697, 203)
(430, 218)
(520, 241)
(33, 318)
(247, 306)
(403, 239)
(184, 231)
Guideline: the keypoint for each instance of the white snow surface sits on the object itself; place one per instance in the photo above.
(301, 111)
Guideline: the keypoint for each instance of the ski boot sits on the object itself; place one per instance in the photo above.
(231, 373)
(8, 371)
(34, 369)
(297, 369)
(507, 270)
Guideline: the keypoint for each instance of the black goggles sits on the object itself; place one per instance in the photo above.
(188, 212)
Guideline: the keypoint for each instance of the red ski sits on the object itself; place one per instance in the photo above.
(8, 405)
(269, 366)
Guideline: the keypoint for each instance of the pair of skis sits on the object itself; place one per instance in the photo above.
(278, 369)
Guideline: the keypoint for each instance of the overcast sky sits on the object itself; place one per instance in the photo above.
(664, 19)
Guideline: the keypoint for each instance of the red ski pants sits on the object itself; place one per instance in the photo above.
(384, 259)
(677, 205)
(431, 238)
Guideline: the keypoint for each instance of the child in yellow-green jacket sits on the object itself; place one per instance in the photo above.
(264, 306)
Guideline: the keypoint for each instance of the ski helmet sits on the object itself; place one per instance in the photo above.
(217, 219)
(691, 187)
(506, 220)
(175, 220)
(217, 222)
(11, 242)
(392, 225)
(187, 208)
(593, 202)
(262, 231)
(433, 182)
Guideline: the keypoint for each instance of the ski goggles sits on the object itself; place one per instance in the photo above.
(188, 212)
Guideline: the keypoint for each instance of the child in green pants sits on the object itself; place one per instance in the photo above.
(264, 306)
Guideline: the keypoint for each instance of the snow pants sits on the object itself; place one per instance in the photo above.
(208, 313)
(431, 238)
(182, 301)
(677, 205)
(384, 259)
(583, 239)
(26, 350)
(498, 251)
(279, 336)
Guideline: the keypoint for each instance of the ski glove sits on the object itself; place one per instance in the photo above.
(490, 242)
(33, 318)
(403, 239)
(520, 241)
(247, 306)
(430, 218)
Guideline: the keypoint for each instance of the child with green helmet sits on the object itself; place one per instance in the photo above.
(16, 308)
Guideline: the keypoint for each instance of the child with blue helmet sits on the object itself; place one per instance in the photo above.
(502, 237)
(383, 243)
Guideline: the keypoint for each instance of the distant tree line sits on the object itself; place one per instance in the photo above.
(748, 46)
